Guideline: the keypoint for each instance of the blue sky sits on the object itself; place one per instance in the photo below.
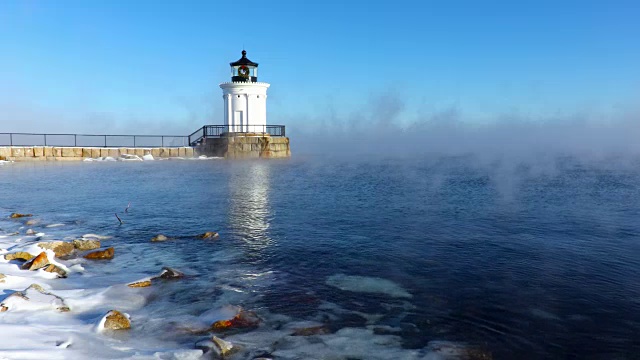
(156, 65)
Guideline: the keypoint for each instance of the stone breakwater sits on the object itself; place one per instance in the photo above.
(53, 153)
(238, 147)
(245, 147)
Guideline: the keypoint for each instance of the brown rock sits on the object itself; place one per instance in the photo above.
(60, 248)
(170, 274)
(20, 255)
(244, 319)
(31, 222)
(224, 347)
(18, 215)
(36, 263)
(55, 269)
(159, 237)
(106, 254)
(115, 320)
(140, 283)
(2, 277)
(208, 235)
(88, 244)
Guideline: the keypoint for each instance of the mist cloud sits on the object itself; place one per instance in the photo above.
(382, 129)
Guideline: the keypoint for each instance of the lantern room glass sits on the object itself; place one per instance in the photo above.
(253, 71)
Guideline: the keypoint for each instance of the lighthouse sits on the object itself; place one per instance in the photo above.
(244, 133)
(245, 99)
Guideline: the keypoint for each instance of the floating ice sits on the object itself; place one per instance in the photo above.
(96, 236)
(148, 157)
(365, 284)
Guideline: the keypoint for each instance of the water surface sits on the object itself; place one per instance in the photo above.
(528, 263)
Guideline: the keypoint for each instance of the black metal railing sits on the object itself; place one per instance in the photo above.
(87, 140)
(148, 141)
(214, 131)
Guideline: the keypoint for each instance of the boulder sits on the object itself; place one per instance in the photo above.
(106, 254)
(31, 222)
(216, 347)
(208, 235)
(86, 244)
(169, 274)
(33, 298)
(18, 215)
(56, 269)
(30, 232)
(20, 255)
(115, 320)
(140, 283)
(36, 263)
(244, 319)
(159, 237)
(2, 278)
(224, 347)
(60, 248)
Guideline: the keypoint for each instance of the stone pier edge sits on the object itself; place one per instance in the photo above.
(231, 148)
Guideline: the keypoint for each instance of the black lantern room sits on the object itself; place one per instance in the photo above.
(244, 70)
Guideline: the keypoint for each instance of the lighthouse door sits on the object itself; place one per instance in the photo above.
(238, 121)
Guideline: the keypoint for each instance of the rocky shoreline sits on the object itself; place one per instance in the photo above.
(47, 309)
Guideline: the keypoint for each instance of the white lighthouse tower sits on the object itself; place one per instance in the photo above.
(245, 99)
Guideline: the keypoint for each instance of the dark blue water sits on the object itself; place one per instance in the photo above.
(526, 262)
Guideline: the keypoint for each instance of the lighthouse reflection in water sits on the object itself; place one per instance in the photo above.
(249, 210)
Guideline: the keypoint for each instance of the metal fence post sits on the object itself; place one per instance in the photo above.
(11, 139)
(75, 140)
(134, 141)
(45, 139)
(105, 141)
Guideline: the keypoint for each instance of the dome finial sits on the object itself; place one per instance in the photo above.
(244, 53)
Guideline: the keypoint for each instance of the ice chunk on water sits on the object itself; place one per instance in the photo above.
(365, 284)
(148, 157)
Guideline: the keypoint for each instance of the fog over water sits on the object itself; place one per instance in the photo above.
(514, 236)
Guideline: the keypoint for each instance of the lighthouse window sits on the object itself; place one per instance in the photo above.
(238, 95)
(258, 96)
